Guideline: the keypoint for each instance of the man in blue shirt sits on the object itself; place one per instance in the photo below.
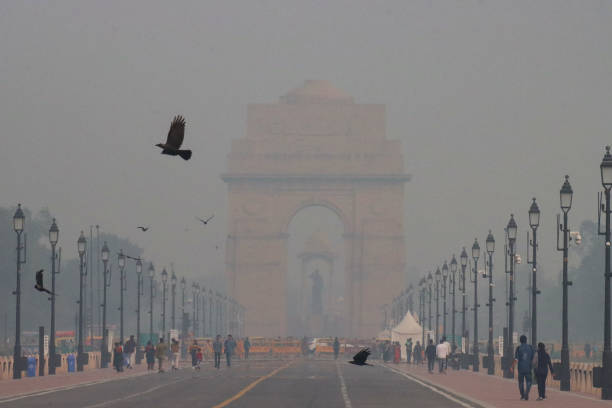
(524, 357)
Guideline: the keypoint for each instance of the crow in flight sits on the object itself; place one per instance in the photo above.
(205, 222)
(361, 357)
(144, 229)
(176, 134)
(39, 283)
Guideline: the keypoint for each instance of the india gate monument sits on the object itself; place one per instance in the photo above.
(315, 147)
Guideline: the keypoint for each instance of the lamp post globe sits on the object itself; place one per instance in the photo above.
(475, 250)
(18, 220)
(53, 239)
(565, 195)
(490, 243)
(105, 252)
(606, 170)
(534, 215)
(511, 229)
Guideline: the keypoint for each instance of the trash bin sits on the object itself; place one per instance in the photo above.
(70, 361)
(31, 367)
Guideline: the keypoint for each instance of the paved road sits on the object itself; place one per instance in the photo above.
(299, 383)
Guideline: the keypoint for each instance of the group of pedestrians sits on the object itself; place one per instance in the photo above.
(529, 360)
(413, 353)
(439, 353)
(123, 354)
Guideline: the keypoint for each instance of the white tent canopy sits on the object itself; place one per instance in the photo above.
(407, 328)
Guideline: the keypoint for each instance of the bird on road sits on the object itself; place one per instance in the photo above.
(176, 134)
(39, 283)
(144, 229)
(361, 357)
(205, 222)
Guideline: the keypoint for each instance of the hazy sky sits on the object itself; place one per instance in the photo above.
(494, 101)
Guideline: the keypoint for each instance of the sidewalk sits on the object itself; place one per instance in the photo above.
(494, 391)
(28, 385)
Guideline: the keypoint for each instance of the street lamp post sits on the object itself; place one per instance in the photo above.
(53, 238)
(511, 230)
(194, 318)
(490, 244)
(606, 181)
(203, 311)
(464, 261)
(565, 196)
(121, 263)
(422, 309)
(18, 226)
(183, 323)
(104, 345)
(444, 313)
(534, 222)
(453, 269)
(164, 276)
(173, 286)
(430, 286)
(475, 256)
(151, 276)
(438, 277)
(81, 245)
(139, 293)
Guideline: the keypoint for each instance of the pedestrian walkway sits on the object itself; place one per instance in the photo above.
(493, 391)
(29, 385)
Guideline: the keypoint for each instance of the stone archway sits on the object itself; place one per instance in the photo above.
(315, 147)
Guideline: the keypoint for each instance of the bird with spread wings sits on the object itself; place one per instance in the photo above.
(39, 286)
(176, 134)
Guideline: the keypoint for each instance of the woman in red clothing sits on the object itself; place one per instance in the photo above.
(396, 352)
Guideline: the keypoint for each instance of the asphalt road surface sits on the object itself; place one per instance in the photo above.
(298, 383)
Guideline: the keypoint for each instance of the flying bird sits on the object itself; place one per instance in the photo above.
(39, 283)
(205, 222)
(176, 134)
(361, 357)
(144, 229)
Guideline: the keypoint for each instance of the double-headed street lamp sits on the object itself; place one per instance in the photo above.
(511, 231)
(53, 238)
(81, 245)
(444, 313)
(151, 277)
(475, 256)
(565, 197)
(463, 258)
(104, 354)
(121, 263)
(606, 181)
(534, 222)
(173, 286)
(164, 276)
(453, 269)
(18, 226)
(438, 277)
(490, 244)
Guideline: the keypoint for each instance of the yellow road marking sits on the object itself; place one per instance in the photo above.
(251, 386)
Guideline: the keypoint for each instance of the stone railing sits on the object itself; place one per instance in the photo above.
(581, 376)
(6, 365)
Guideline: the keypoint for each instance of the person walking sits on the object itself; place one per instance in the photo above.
(417, 357)
(160, 352)
(397, 352)
(176, 356)
(118, 357)
(150, 355)
(229, 346)
(430, 353)
(336, 348)
(524, 356)
(194, 349)
(128, 352)
(247, 346)
(408, 349)
(442, 354)
(218, 349)
(541, 366)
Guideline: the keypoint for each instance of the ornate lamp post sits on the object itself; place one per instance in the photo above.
(194, 291)
(203, 311)
(183, 322)
(18, 226)
(511, 230)
(173, 286)
(53, 238)
(438, 277)
(81, 245)
(104, 345)
(606, 181)
(121, 263)
(565, 195)
(534, 222)
(463, 258)
(151, 277)
(430, 287)
(164, 276)
(490, 244)
(444, 313)
(423, 288)
(475, 256)
(453, 269)
(139, 293)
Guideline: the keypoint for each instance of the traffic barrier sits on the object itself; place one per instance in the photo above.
(6, 365)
